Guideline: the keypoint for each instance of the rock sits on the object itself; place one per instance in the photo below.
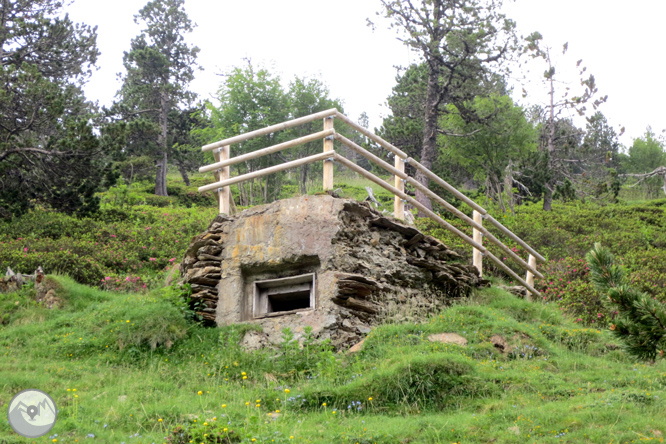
(48, 291)
(448, 338)
(51, 300)
(363, 267)
(253, 340)
(357, 347)
(500, 343)
(515, 290)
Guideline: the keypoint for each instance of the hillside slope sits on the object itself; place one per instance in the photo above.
(130, 368)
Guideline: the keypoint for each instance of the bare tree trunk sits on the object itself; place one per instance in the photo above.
(303, 182)
(242, 194)
(429, 149)
(550, 185)
(251, 192)
(548, 198)
(160, 177)
(183, 173)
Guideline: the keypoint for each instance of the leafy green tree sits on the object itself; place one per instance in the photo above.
(48, 150)
(491, 148)
(647, 162)
(646, 153)
(404, 126)
(308, 96)
(461, 41)
(159, 65)
(641, 320)
(598, 161)
(251, 99)
(183, 138)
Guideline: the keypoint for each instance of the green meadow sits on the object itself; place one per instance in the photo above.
(126, 361)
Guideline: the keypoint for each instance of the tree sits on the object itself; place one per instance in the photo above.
(160, 65)
(48, 150)
(305, 97)
(641, 320)
(491, 148)
(250, 99)
(647, 162)
(555, 141)
(460, 41)
(598, 159)
(404, 126)
(184, 126)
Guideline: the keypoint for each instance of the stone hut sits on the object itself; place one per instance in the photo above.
(334, 264)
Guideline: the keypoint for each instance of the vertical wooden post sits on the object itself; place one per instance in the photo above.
(529, 278)
(223, 194)
(398, 204)
(477, 257)
(328, 165)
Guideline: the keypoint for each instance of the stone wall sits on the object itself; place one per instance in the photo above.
(368, 268)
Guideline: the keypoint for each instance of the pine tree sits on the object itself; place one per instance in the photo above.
(641, 320)
(49, 152)
(160, 65)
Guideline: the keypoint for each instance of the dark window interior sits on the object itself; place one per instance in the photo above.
(283, 295)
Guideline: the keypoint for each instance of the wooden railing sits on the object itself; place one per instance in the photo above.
(221, 152)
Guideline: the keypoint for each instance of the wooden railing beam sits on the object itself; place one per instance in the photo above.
(515, 238)
(265, 171)
(223, 193)
(382, 183)
(370, 135)
(399, 182)
(416, 184)
(268, 150)
(270, 129)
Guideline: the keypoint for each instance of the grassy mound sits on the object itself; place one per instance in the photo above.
(130, 368)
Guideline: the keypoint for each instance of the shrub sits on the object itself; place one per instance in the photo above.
(567, 283)
(118, 243)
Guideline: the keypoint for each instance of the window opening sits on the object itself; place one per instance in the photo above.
(280, 296)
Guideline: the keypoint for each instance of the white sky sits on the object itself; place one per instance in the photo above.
(620, 43)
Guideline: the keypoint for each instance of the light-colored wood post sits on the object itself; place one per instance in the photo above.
(328, 146)
(398, 204)
(477, 236)
(224, 193)
(529, 278)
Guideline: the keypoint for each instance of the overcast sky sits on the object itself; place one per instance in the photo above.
(621, 43)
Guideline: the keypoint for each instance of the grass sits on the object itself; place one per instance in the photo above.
(136, 381)
(125, 363)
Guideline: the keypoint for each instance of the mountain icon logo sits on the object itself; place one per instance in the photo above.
(32, 413)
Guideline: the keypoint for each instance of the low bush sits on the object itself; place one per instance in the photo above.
(129, 246)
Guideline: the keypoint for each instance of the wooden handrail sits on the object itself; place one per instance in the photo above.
(265, 171)
(351, 165)
(268, 150)
(510, 234)
(401, 177)
(370, 135)
(270, 129)
(368, 155)
(382, 183)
